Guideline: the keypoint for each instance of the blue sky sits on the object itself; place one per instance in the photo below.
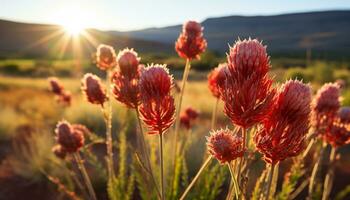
(138, 14)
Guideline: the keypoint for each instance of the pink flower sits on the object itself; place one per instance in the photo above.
(157, 105)
(217, 79)
(285, 128)
(338, 134)
(224, 145)
(128, 63)
(191, 43)
(68, 137)
(93, 89)
(248, 91)
(105, 57)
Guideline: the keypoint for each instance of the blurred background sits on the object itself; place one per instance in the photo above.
(308, 40)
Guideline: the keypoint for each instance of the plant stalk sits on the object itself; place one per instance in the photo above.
(269, 181)
(329, 177)
(85, 175)
(189, 187)
(314, 171)
(235, 183)
(161, 166)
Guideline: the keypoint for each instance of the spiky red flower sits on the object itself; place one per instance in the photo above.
(157, 105)
(128, 63)
(344, 114)
(325, 107)
(224, 145)
(216, 79)
(59, 151)
(105, 57)
(191, 43)
(248, 91)
(56, 86)
(191, 113)
(285, 128)
(93, 89)
(68, 137)
(338, 134)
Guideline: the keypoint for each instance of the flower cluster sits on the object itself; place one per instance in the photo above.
(126, 78)
(56, 87)
(248, 91)
(157, 105)
(93, 89)
(217, 79)
(224, 145)
(69, 138)
(191, 43)
(105, 57)
(188, 116)
(285, 128)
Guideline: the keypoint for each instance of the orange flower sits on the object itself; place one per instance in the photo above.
(224, 145)
(285, 128)
(105, 57)
(93, 89)
(191, 42)
(68, 137)
(157, 105)
(248, 91)
(217, 78)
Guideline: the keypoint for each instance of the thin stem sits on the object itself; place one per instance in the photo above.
(108, 121)
(329, 177)
(213, 117)
(189, 187)
(145, 150)
(241, 160)
(274, 179)
(314, 171)
(312, 141)
(161, 165)
(269, 181)
(85, 175)
(234, 180)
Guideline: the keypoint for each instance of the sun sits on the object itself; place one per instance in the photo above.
(73, 28)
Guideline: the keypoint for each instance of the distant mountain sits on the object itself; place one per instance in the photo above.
(37, 40)
(326, 32)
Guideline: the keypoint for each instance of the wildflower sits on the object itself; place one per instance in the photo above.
(338, 134)
(105, 57)
(216, 79)
(126, 79)
(128, 63)
(248, 91)
(93, 89)
(285, 128)
(65, 98)
(188, 116)
(82, 129)
(55, 86)
(157, 105)
(224, 145)
(68, 137)
(191, 42)
(325, 107)
(185, 121)
(59, 151)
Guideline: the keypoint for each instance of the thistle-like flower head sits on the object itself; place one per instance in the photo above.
(285, 128)
(224, 145)
(128, 63)
(105, 57)
(217, 79)
(327, 99)
(69, 138)
(55, 86)
(93, 89)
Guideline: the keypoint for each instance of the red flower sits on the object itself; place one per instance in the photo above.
(65, 98)
(248, 91)
(93, 89)
(216, 79)
(55, 86)
(188, 116)
(325, 107)
(59, 151)
(105, 57)
(157, 105)
(338, 134)
(224, 145)
(191, 42)
(128, 63)
(185, 121)
(285, 128)
(68, 137)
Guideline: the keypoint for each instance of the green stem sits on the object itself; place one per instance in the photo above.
(314, 171)
(234, 180)
(161, 166)
(108, 120)
(85, 175)
(205, 164)
(274, 180)
(213, 117)
(329, 177)
(269, 181)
